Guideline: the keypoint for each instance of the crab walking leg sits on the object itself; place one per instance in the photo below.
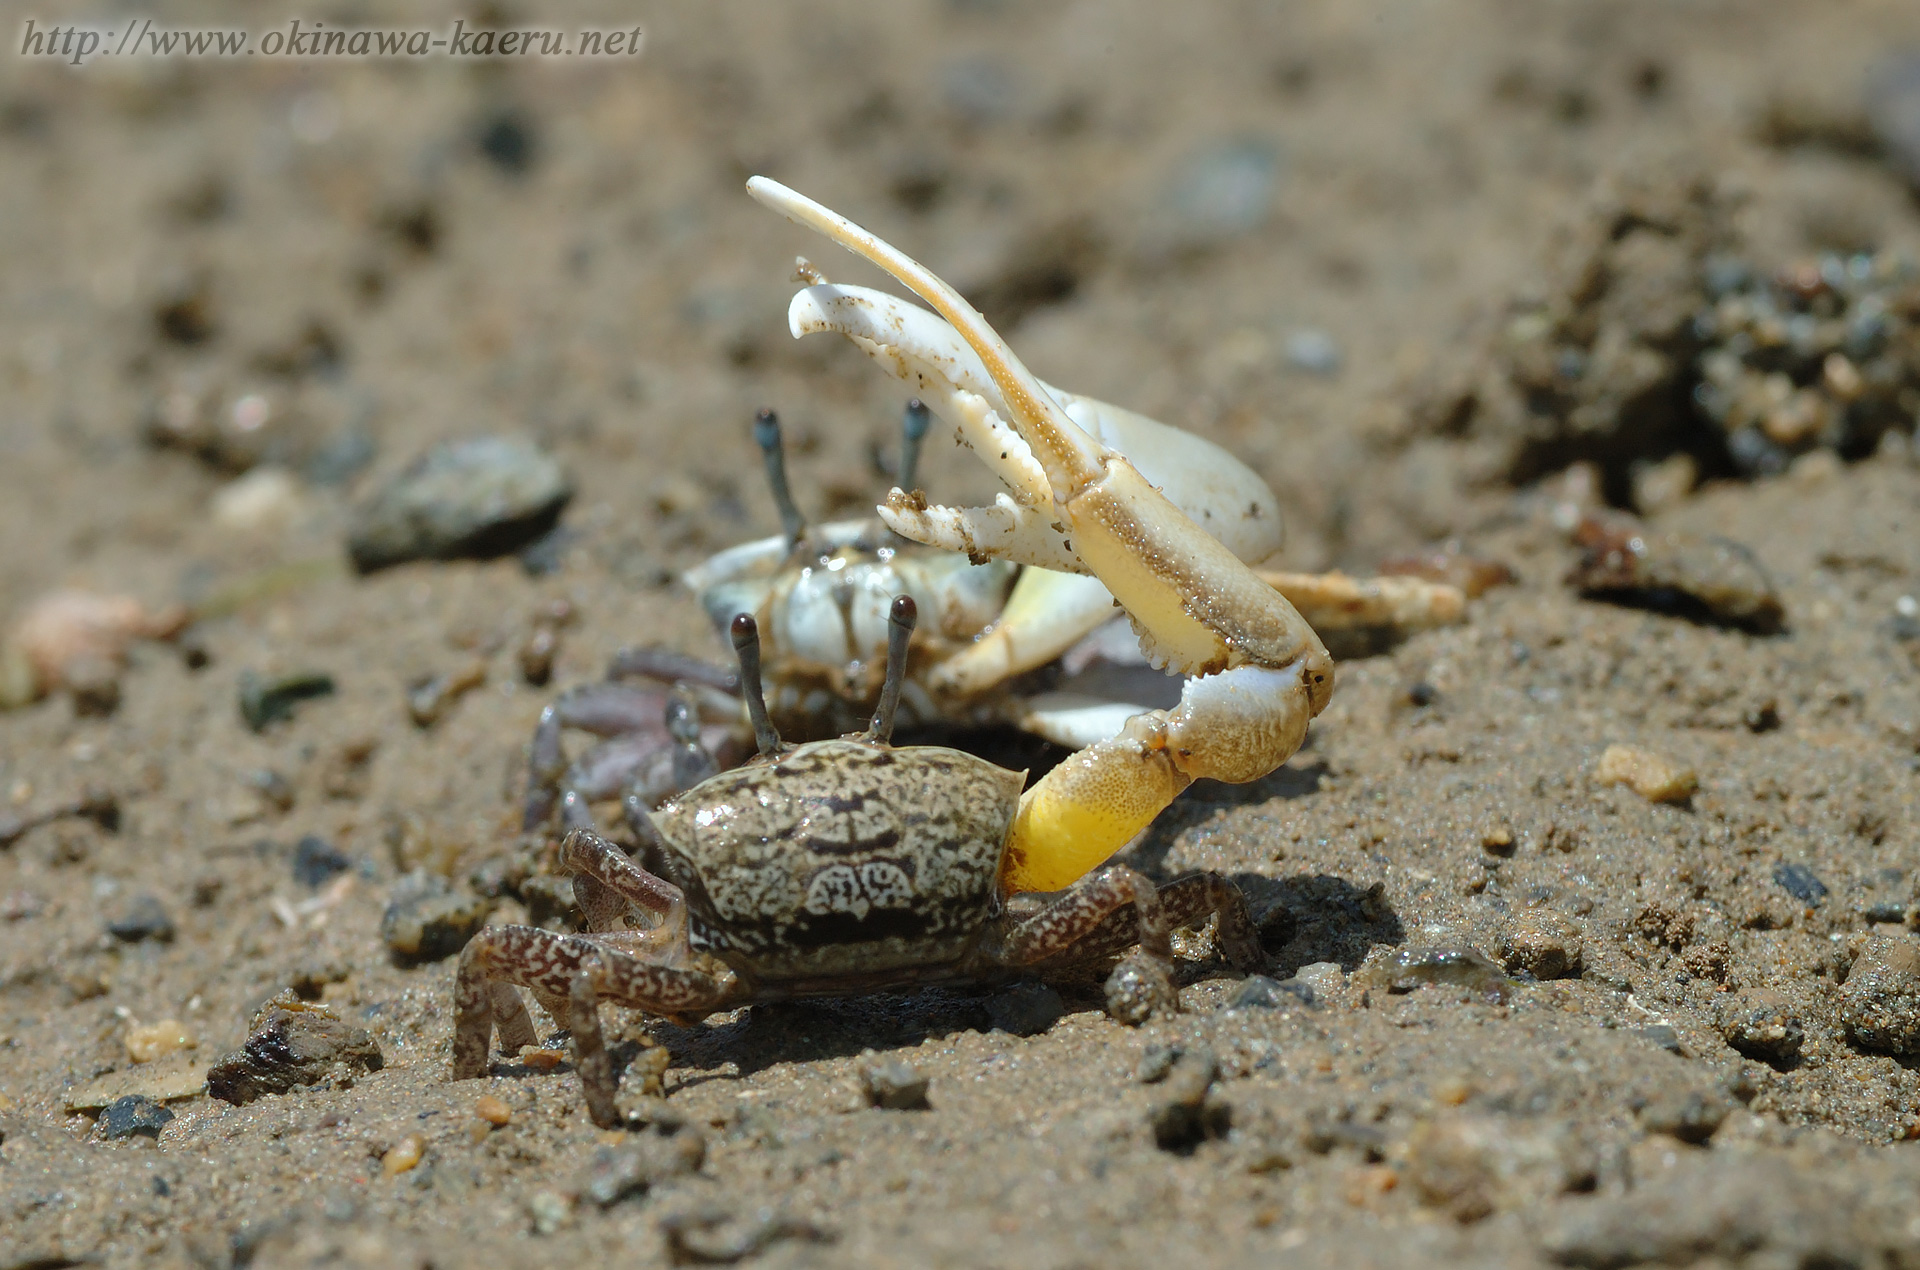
(548, 964)
(1185, 902)
(1337, 602)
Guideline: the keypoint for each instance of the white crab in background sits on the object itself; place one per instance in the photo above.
(1103, 508)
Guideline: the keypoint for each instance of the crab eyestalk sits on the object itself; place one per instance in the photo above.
(691, 762)
(900, 620)
(913, 430)
(746, 645)
(773, 453)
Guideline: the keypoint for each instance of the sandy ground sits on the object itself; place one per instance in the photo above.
(336, 240)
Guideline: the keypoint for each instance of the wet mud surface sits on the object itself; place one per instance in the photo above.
(1591, 921)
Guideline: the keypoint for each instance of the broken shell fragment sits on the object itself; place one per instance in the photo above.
(77, 637)
(1709, 580)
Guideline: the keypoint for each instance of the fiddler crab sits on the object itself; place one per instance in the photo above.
(1019, 629)
(847, 865)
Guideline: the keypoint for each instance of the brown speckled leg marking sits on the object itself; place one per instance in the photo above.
(511, 1019)
(612, 880)
(1186, 901)
(565, 971)
(1059, 931)
(1139, 986)
(590, 1057)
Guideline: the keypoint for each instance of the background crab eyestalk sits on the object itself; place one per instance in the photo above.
(913, 430)
(900, 622)
(691, 761)
(773, 453)
(746, 645)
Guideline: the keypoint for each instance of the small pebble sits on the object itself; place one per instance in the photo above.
(1665, 484)
(19, 682)
(1025, 1009)
(1543, 944)
(713, 1235)
(1708, 579)
(265, 499)
(894, 1086)
(1664, 1036)
(1884, 912)
(149, 1041)
(492, 1110)
(1326, 978)
(507, 137)
(1313, 351)
(101, 806)
(542, 1058)
(660, 1151)
(132, 1116)
(340, 458)
(1800, 882)
(1689, 1115)
(1880, 1001)
(145, 918)
(1404, 969)
(537, 653)
(647, 1073)
(1470, 1166)
(550, 1211)
(428, 920)
(404, 1155)
(271, 699)
(1137, 990)
(164, 1081)
(317, 861)
(1155, 1063)
(481, 497)
(1189, 1113)
(429, 699)
(547, 554)
(274, 788)
(1652, 776)
(1761, 1025)
(1259, 992)
(290, 1043)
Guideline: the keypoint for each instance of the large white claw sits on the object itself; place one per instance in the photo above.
(1220, 493)
(919, 349)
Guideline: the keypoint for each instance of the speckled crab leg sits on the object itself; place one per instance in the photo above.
(567, 970)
